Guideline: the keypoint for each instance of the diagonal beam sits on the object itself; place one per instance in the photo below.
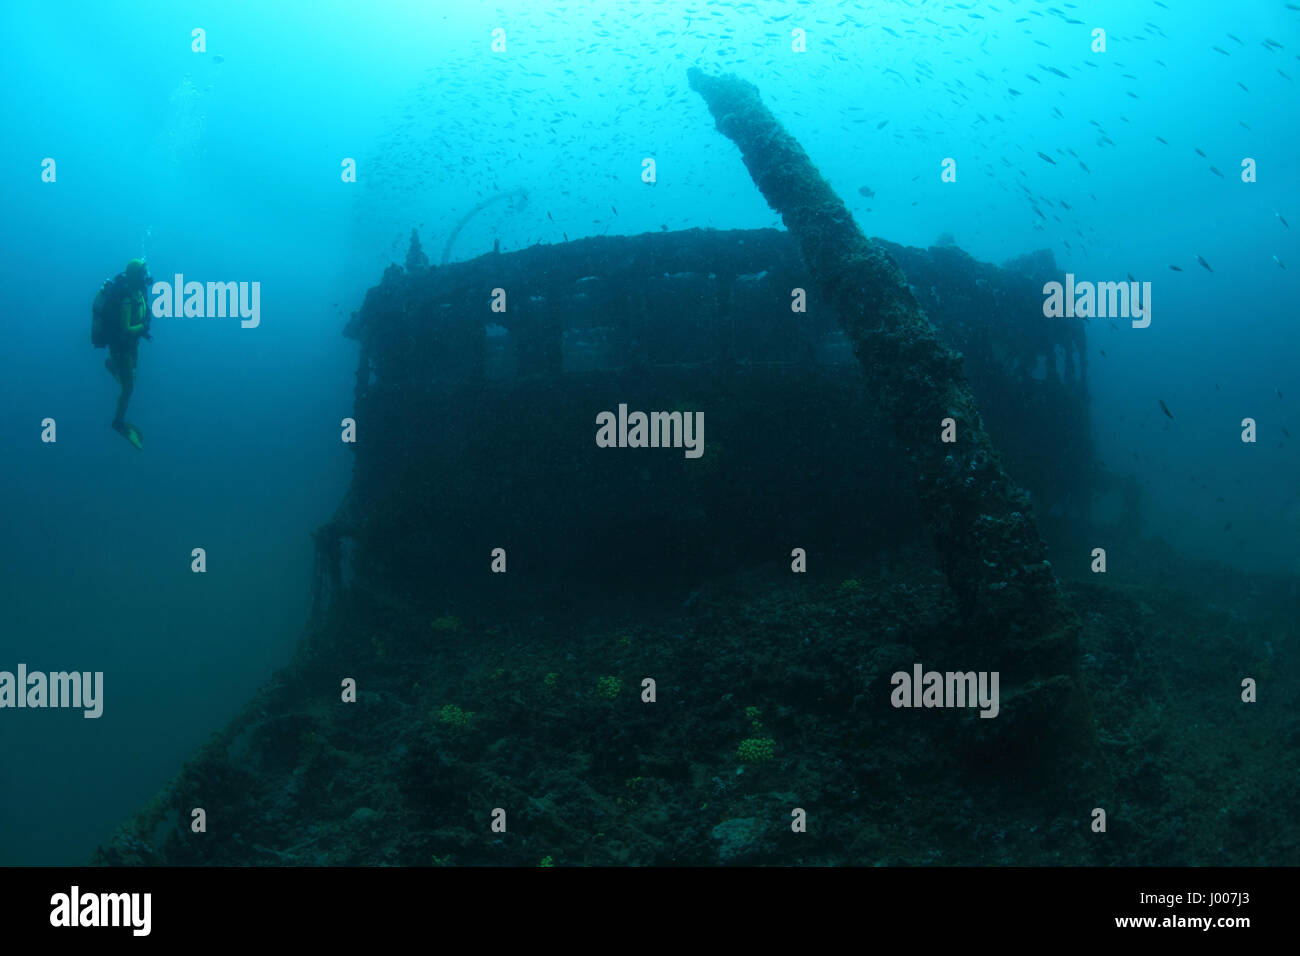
(980, 520)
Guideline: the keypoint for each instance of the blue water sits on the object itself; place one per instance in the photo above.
(230, 169)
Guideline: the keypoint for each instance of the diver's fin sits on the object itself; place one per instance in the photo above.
(130, 433)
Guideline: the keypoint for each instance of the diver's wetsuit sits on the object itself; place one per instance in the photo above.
(125, 348)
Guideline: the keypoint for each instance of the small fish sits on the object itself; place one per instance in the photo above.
(1284, 431)
(1176, 268)
(1046, 158)
(1279, 391)
(565, 235)
(549, 216)
(1281, 220)
(1103, 352)
(1217, 49)
(615, 209)
(1242, 85)
(867, 191)
(1216, 172)
(1204, 263)
(218, 59)
(1161, 139)
(1279, 262)
(1200, 152)
(1165, 408)
(1084, 167)
(882, 124)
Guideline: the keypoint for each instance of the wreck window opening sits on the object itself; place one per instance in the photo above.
(588, 349)
(501, 361)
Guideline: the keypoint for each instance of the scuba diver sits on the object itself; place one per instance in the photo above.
(119, 320)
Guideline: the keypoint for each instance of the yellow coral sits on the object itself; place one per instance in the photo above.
(453, 716)
(756, 750)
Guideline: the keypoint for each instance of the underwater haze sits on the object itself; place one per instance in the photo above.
(1169, 158)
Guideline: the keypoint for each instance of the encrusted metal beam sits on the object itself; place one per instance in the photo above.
(979, 518)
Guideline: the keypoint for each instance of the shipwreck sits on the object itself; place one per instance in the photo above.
(480, 390)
